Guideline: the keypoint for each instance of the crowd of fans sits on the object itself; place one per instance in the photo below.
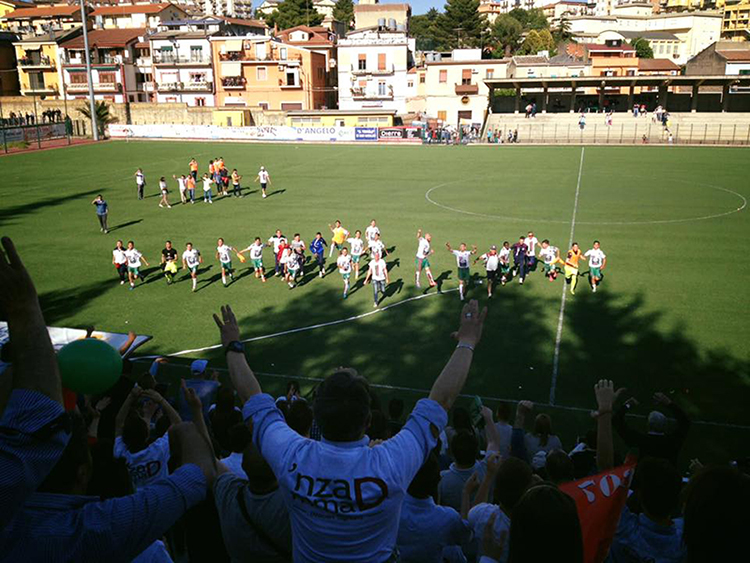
(47, 116)
(228, 473)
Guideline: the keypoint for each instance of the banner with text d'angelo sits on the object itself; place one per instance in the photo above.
(600, 499)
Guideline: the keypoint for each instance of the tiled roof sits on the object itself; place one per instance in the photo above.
(736, 56)
(126, 9)
(103, 38)
(46, 12)
(657, 64)
(530, 60)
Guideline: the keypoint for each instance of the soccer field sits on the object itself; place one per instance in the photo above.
(671, 314)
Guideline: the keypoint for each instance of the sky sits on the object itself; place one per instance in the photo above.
(417, 6)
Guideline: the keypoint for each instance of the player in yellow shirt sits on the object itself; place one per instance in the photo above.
(338, 238)
(571, 266)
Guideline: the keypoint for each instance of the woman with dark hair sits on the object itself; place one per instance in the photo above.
(541, 439)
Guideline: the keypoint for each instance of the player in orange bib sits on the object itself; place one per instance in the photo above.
(194, 168)
(571, 266)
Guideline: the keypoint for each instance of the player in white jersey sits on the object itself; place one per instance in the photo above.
(120, 262)
(550, 255)
(224, 255)
(531, 243)
(371, 231)
(344, 263)
(504, 257)
(377, 247)
(182, 183)
(463, 256)
(597, 262)
(491, 261)
(358, 249)
(134, 263)
(191, 259)
(290, 264)
(264, 178)
(422, 262)
(298, 247)
(256, 258)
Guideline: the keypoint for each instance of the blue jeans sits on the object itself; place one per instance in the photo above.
(191, 194)
(207, 196)
(377, 286)
(521, 268)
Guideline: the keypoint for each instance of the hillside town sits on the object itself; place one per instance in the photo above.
(320, 62)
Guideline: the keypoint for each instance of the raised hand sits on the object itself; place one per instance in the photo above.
(228, 327)
(471, 324)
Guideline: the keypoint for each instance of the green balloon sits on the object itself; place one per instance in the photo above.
(89, 366)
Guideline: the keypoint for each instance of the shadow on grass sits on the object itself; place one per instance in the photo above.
(18, 211)
(125, 225)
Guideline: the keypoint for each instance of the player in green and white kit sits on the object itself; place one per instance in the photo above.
(344, 263)
(504, 255)
(191, 259)
(422, 262)
(597, 262)
(256, 258)
(550, 255)
(134, 263)
(358, 249)
(224, 255)
(462, 260)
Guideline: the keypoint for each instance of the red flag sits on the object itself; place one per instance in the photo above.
(600, 500)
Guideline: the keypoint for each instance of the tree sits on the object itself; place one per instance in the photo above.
(530, 19)
(548, 42)
(506, 32)
(562, 31)
(461, 25)
(423, 29)
(343, 11)
(532, 44)
(642, 48)
(103, 117)
(292, 13)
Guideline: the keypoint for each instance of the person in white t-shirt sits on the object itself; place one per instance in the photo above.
(358, 248)
(491, 264)
(597, 262)
(290, 264)
(207, 189)
(378, 273)
(120, 261)
(422, 261)
(264, 178)
(531, 243)
(256, 258)
(140, 182)
(371, 231)
(146, 462)
(377, 246)
(182, 184)
(550, 255)
(344, 263)
(463, 256)
(191, 259)
(504, 257)
(224, 255)
(134, 263)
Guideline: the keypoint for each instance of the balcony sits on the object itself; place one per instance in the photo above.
(37, 63)
(185, 87)
(388, 70)
(38, 90)
(361, 94)
(176, 60)
(98, 87)
(233, 83)
(244, 56)
(295, 86)
(467, 89)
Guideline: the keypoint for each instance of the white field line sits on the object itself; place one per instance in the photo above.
(561, 317)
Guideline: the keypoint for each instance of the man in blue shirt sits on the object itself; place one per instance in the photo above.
(520, 250)
(344, 497)
(101, 213)
(317, 247)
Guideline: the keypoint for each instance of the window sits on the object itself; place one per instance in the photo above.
(362, 62)
(490, 73)
(464, 114)
(321, 74)
(410, 84)
(282, 53)
(260, 51)
(263, 106)
(289, 106)
(630, 73)
(196, 53)
(381, 88)
(443, 76)
(197, 77)
(200, 102)
(442, 115)
(261, 74)
(466, 76)
(381, 61)
(78, 78)
(421, 79)
(292, 77)
(107, 77)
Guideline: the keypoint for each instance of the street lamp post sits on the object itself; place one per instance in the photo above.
(92, 103)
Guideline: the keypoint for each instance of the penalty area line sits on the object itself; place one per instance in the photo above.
(561, 316)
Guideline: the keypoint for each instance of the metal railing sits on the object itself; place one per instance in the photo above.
(161, 59)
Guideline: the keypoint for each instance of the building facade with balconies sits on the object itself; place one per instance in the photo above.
(373, 66)
(132, 16)
(257, 71)
(114, 65)
(455, 88)
(183, 67)
(43, 19)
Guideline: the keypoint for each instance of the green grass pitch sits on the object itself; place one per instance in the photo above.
(671, 314)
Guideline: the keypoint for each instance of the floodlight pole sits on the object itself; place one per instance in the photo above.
(92, 103)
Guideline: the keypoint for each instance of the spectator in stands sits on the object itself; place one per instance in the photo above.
(510, 477)
(647, 531)
(504, 428)
(427, 532)
(656, 442)
(327, 482)
(299, 417)
(461, 420)
(545, 527)
(717, 500)
(240, 438)
(558, 468)
(204, 384)
(147, 463)
(541, 441)
(254, 518)
(223, 415)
